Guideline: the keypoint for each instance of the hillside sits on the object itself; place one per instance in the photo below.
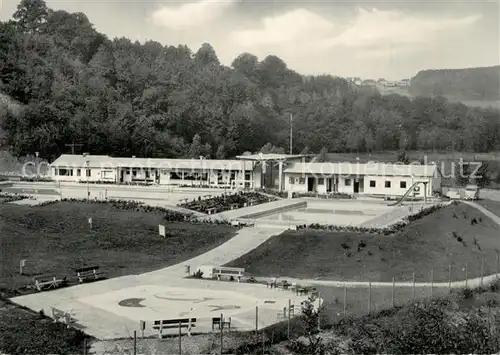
(119, 97)
(469, 85)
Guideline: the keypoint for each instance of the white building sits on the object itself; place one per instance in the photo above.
(103, 168)
(371, 179)
(248, 171)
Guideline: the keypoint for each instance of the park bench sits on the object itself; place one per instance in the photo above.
(211, 210)
(88, 273)
(180, 323)
(43, 283)
(234, 272)
(63, 317)
(216, 321)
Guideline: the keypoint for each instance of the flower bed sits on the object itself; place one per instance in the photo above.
(227, 202)
(6, 197)
(36, 179)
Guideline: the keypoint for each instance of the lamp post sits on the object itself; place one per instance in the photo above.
(36, 164)
(201, 164)
(87, 164)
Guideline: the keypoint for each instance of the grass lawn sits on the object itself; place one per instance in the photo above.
(56, 239)
(424, 245)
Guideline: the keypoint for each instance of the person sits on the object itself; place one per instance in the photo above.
(273, 282)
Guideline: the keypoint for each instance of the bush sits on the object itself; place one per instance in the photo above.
(225, 202)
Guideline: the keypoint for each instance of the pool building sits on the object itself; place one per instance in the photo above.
(279, 171)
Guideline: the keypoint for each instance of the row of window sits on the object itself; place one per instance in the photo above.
(347, 182)
(69, 172)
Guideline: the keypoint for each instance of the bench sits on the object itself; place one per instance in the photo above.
(88, 273)
(187, 323)
(234, 272)
(43, 283)
(63, 317)
(216, 321)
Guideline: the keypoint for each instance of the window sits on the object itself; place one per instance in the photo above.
(387, 184)
(78, 172)
(373, 183)
(347, 182)
(291, 180)
(321, 181)
(302, 181)
(89, 172)
(402, 184)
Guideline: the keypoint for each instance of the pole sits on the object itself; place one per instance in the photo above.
(85, 346)
(466, 277)
(432, 282)
(135, 342)
(498, 265)
(319, 317)
(256, 321)
(345, 300)
(180, 338)
(413, 287)
(221, 333)
(393, 286)
(291, 133)
(449, 277)
(369, 298)
(482, 271)
(288, 320)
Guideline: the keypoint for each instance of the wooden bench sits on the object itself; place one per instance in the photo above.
(63, 317)
(181, 323)
(43, 283)
(89, 273)
(234, 272)
(216, 321)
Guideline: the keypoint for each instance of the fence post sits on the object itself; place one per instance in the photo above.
(466, 275)
(135, 342)
(392, 294)
(180, 338)
(482, 271)
(449, 277)
(498, 265)
(432, 282)
(257, 322)
(369, 298)
(319, 306)
(221, 333)
(413, 287)
(288, 318)
(345, 299)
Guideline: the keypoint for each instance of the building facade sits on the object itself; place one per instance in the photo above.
(195, 172)
(376, 179)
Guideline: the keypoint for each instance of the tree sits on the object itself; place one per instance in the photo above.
(31, 15)
(462, 174)
(221, 153)
(304, 151)
(403, 157)
(482, 177)
(322, 156)
(196, 148)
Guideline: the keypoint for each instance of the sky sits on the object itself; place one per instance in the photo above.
(370, 39)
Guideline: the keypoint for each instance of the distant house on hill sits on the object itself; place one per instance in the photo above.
(381, 81)
(368, 82)
(405, 82)
(355, 80)
(390, 83)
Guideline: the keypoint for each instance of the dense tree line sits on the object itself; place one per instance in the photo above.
(461, 84)
(119, 97)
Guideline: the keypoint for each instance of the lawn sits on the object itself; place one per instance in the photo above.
(56, 239)
(425, 246)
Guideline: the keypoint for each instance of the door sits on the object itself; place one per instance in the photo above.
(310, 184)
(356, 186)
(329, 184)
